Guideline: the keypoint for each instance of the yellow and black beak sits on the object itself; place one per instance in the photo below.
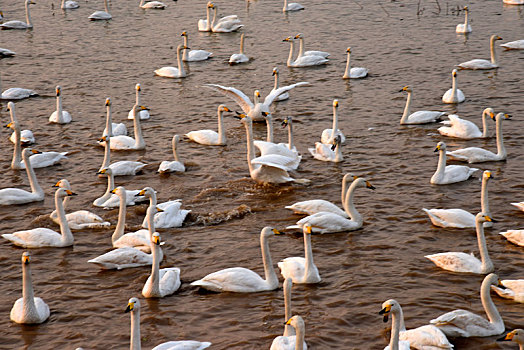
(276, 232)
(287, 39)
(159, 210)
(405, 88)
(348, 50)
(226, 109)
(370, 186)
(70, 193)
(141, 193)
(437, 148)
(57, 91)
(130, 307)
(34, 151)
(113, 191)
(57, 184)
(507, 337)
(9, 125)
(385, 311)
(26, 259)
(489, 219)
(108, 102)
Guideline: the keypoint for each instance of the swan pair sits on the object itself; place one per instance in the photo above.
(60, 116)
(170, 214)
(170, 166)
(353, 72)
(453, 95)
(418, 117)
(464, 129)
(195, 55)
(173, 72)
(224, 25)
(9, 196)
(481, 63)
(211, 137)
(464, 28)
(16, 93)
(449, 174)
(101, 15)
(19, 24)
(238, 58)
(154, 5)
(303, 60)
(109, 199)
(143, 111)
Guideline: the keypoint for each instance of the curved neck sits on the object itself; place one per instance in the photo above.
(135, 330)
(349, 206)
(250, 145)
(406, 109)
(487, 265)
(301, 47)
(290, 135)
(288, 329)
(67, 236)
(343, 192)
(348, 66)
(181, 71)
(28, 14)
(121, 223)
(214, 17)
(221, 134)
(269, 271)
(137, 97)
(290, 57)
(242, 44)
(492, 51)
(335, 124)
(299, 340)
(441, 167)
(489, 306)
(485, 124)
(139, 139)
(395, 331)
(60, 115)
(186, 44)
(175, 152)
(33, 182)
(453, 88)
(484, 202)
(29, 307)
(17, 151)
(501, 150)
(269, 123)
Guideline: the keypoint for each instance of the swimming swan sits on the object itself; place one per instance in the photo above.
(449, 174)
(394, 341)
(302, 61)
(172, 72)
(292, 6)
(462, 262)
(124, 143)
(301, 52)
(242, 280)
(44, 237)
(299, 269)
(511, 289)
(19, 24)
(514, 45)
(328, 153)
(169, 166)
(16, 93)
(418, 117)
(464, 28)
(120, 168)
(144, 111)
(481, 63)
(9, 196)
(292, 342)
(327, 136)
(203, 23)
(285, 95)
(519, 205)
(60, 116)
(225, 24)
(109, 199)
(26, 136)
(69, 5)
(194, 55)
(513, 2)
(464, 129)
(116, 128)
(237, 58)
(462, 323)
(514, 236)
(101, 15)
(353, 72)
(28, 309)
(211, 137)
(170, 215)
(453, 95)
(516, 335)
(155, 5)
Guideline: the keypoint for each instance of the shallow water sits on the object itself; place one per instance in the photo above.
(361, 269)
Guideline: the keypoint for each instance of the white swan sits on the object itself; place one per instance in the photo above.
(225, 24)
(462, 262)
(161, 282)
(203, 23)
(513, 2)
(123, 142)
(292, 6)
(194, 55)
(514, 45)
(511, 289)
(478, 155)
(80, 219)
(481, 63)
(462, 323)
(60, 116)
(238, 58)
(211, 137)
(242, 280)
(301, 269)
(460, 218)
(26, 136)
(120, 168)
(170, 214)
(109, 199)
(453, 95)
(9, 196)
(464, 27)
(516, 335)
(173, 72)
(394, 341)
(328, 222)
(353, 72)
(285, 95)
(144, 111)
(6, 53)
(514, 236)
(155, 5)
(288, 122)
(19, 24)
(133, 307)
(328, 153)
(16, 93)
(327, 136)
(519, 205)
(418, 117)
(28, 309)
(464, 129)
(101, 15)
(305, 60)
(301, 52)
(427, 337)
(44, 237)
(449, 174)
(294, 342)
(253, 109)
(69, 5)
(116, 128)
(169, 166)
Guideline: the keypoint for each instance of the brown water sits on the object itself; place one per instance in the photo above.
(361, 269)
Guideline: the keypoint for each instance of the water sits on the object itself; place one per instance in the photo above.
(361, 269)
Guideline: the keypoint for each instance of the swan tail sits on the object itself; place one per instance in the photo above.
(302, 181)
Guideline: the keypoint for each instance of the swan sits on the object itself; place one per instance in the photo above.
(116, 128)
(133, 307)
(172, 72)
(292, 6)
(513, 2)
(101, 15)
(313, 206)
(453, 95)
(301, 52)
(516, 335)
(6, 53)
(242, 280)
(161, 282)
(253, 109)
(170, 214)
(203, 23)
(285, 95)
(155, 5)
(514, 236)
(194, 55)
(464, 27)
(26, 136)
(462, 262)
(288, 122)
(225, 24)
(237, 58)
(19, 24)
(144, 111)
(478, 155)
(419, 117)
(211, 137)
(16, 93)
(69, 5)
(120, 168)
(60, 116)
(355, 72)
(481, 63)
(519, 205)
(394, 342)
(169, 166)
(327, 136)
(328, 222)
(464, 129)
(303, 61)
(460, 218)
(294, 342)
(462, 323)
(514, 45)
(123, 142)
(449, 174)
(425, 337)
(28, 309)
(328, 153)
(9, 196)
(267, 169)
(80, 219)
(511, 289)
(109, 199)
(44, 237)
(299, 269)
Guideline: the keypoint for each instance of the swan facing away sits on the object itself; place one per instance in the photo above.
(481, 63)
(418, 117)
(69, 5)
(60, 116)
(238, 58)
(292, 6)
(301, 269)
(514, 45)
(173, 72)
(304, 60)
(211, 137)
(19, 24)
(453, 95)
(293, 342)
(170, 166)
(514, 236)
(510, 289)
(353, 72)
(242, 280)
(449, 174)
(133, 307)
(154, 5)
(143, 110)
(464, 28)
(516, 335)
(194, 55)
(9, 196)
(28, 309)
(462, 323)
(101, 15)
(464, 129)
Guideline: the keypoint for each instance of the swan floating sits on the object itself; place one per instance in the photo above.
(28, 309)
(353, 72)
(328, 153)
(294, 342)
(292, 6)
(153, 5)
(519, 205)
(328, 136)
(60, 116)
(242, 280)
(120, 168)
(101, 15)
(170, 215)
(16, 93)
(514, 45)
(115, 128)
(516, 335)
(238, 58)
(464, 28)
(510, 289)
(394, 342)
(299, 269)
(305, 60)
(301, 52)
(462, 323)
(169, 166)
(418, 117)
(464, 129)
(285, 95)
(194, 55)
(481, 63)
(453, 95)
(211, 137)
(449, 174)
(225, 24)
(124, 143)
(69, 5)
(26, 136)
(9, 196)
(173, 72)
(513, 2)
(514, 236)
(19, 24)
(109, 199)
(143, 110)
(6, 53)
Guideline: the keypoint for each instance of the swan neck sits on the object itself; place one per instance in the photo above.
(135, 330)
(441, 167)
(453, 88)
(269, 271)
(489, 305)
(269, 123)
(208, 22)
(308, 254)
(299, 340)
(407, 109)
(338, 153)
(29, 307)
(501, 150)
(184, 56)
(59, 112)
(250, 146)
(107, 151)
(67, 236)
(139, 139)
(33, 182)
(335, 124)
(349, 206)
(395, 331)
(121, 223)
(276, 82)
(242, 44)
(214, 17)
(181, 71)
(492, 51)
(17, 151)
(487, 265)
(221, 134)
(466, 20)
(343, 192)
(175, 151)
(348, 67)
(484, 124)
(155, 274)
(290, 135)
(290, 57)
(288, 329)
(106, 6)
(300, 47)
(28, 15)
(484, 201)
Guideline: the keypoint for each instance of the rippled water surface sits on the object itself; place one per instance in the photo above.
(360, 269)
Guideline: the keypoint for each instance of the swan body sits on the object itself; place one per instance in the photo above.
(285, 95)
(111, 200)
(353, 72)
(155, 5)
(513, 2)
(327, 136)
(6, 53)
(514, 236)
(44, 237)
(514, 45)
(19, 24)
(123, 142)
(26, 137)
(101, 15)
(242, 280)
(328, 153)
(453, 95)
(516, 335)
(172, 166)
(69, 5)
(28, 309)
(114, 128)
(170, 215)
(484, 64)
(418, 117)
(9, 196)
(305, 60)
(448, 174)
(464, 129)
(299, 269)
(292, 6)
(292, 342)
(511, 289)
(301, 52)
(18, 94)
(464, 28)
(519, 205)
(173, 72)
(462, 262)
(462, 323)
(211, 137)
(143, 111)
(194, 55)
(203, 23)
(60, 116)
(237, 58)
(225, 24)
(122, 258)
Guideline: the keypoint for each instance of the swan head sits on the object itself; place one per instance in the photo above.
(487, 175)
(155, 238)
(118, 190)
(26, 258)
(336, 141)
(58, 89)
(288, 39)
(441, 146)
(489, 111)
(269, 231)
(184, 33)
(257, 93)
(481, 217)
(495, 37)
(267, 115)
(137, 87)
(454, 73)
(103, 139)
(275, 71)
(62, 192)
(132, 305)
(296, 322)
(108, 102)
(348, 50)
(30, 2)
(63, 184)
(406, 88)
(11, 106)
(223, 108)
(147, 191)
(369, 185)
(388, 307)
(298, 36)
(466, 8)
(287, 120)
(12, 125)
(105, 171)
(501, 116)
(516, 335)
(307, 228)
(335, 103)
(210, 5)
(27, 152)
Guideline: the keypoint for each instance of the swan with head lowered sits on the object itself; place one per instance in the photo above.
(152, 5)
(301, 269)
(293, 342)
(304, 60)
(242, 280)
(69, 5)
(292, 6)
(328, 135)
(123, 142)
(353, 72)
(418, 117)
(60, 116)
(516, 335)
(170, 166)
(173, 72)
(464, 28)
(170, 215)
(19, 24)
(453, 95)
(143, 110)
(194, 55)
(464, 129)
(109, 199)
(101, 15)
(510, 289)
(9, 196)
(462, 323)
(253, 109)
(328, 153)
(481, 63)
(449, 174)
(114, 128)
(238, 58)
(16, 93)
(211, 137)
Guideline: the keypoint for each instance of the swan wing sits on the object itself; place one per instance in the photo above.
(198, 55)
(171, 166)
(18, 93)
(82, 219)
(238, 58)
(121, 142)
(305, 61)
(451, 217)
(457, 173)
(514, 236)
(274, 161)
(477, 64)
(462, 323)
(514, 45)
(472, 155)
(168, 72)
(139, 239)
(276, 92)
(328, 140)
(238, 96)
(426, 337)
(10, 196)
(460, 128)
(126, 167)
(35, 238)
(204, 137)
(45, 159)
(457, 262)
(235, 279)
(423, 117)
(322, 152)
(519, 205)
(293, 267)
(313, 206)
(325, 222)
(122, 258)
(169, 280)
(172, 218)
(183, 345)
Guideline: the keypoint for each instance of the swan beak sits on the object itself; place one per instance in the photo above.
(9, 125)
(226, 109)
(129, 307)
(141, 193)
(144, 108)
(277, 232)
(185, 47)
(507, 116)
(113, 191)
(35, 151)
(490, 219)
(370, 186)
(103, 139)
(298, 35)
(385, 311)
(405, 88)
(489, 176)
(184, 33)
(69, 193)
(287, 39)
(348, 50)
(57, 184)
(288, 322)
(308, 229)
(156, 239)
(240, 115)
(507, 337)
(500, 285)
(108, 102)
(437, 148)
(159, 210)
(25, 259)
(57, 91)
(284, 123)
(498, 38)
